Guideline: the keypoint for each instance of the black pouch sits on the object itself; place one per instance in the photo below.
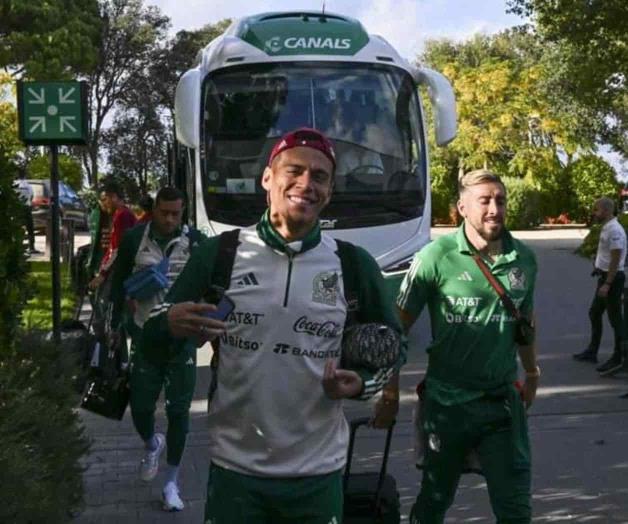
(524, 332)
(107, 396)
(107, 392)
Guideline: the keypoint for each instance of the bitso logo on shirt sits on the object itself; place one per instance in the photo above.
(325, 288)
(517, 278)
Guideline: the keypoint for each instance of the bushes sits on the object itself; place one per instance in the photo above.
(42, 440)
(523, 204)
(588, 248)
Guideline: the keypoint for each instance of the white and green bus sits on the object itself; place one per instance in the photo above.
(274, 72)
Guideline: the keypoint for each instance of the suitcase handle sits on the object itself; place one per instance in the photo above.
(354, 425)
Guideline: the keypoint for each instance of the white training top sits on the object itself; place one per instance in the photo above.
(612, 237)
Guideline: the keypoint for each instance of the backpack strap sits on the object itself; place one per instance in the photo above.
(220, 282)
(349, 262)
(223, 265)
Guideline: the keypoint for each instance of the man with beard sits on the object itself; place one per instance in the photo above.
(470, 398)
(142, 248)
(609, 268)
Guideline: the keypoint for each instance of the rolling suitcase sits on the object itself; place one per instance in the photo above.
(372, 497)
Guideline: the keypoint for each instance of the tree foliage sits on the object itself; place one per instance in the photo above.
(592, 178)
(70, 170)
(48, 39)
(507, 121)
(179, 55)
(130, 36)
(590, 48)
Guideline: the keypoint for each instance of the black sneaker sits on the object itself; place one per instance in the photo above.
(586, 356)
(611, 366)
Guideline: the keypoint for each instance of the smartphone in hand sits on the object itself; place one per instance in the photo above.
(223, 309)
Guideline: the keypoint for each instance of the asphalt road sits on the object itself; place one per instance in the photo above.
(578, 425)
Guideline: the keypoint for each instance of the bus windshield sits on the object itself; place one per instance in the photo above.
(370, 112)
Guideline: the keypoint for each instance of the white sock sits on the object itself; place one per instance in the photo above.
(152, 443)
(172, 473)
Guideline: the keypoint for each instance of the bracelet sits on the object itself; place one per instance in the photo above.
(536, 373)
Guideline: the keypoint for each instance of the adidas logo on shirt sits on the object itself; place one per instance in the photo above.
(465, 276)
(190, 362)
(247, 280)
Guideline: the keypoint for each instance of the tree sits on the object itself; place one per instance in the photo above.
(70, 170)
(136, 143)
(130, 36)
(590, 47)
(506, 121)
(178, 56)
(592, 178)
(48, 39)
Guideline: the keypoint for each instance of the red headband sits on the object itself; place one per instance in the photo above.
(304, 137)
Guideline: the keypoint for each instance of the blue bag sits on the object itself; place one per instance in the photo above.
(145, 283)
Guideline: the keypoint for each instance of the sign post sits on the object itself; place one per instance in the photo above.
(53, 114)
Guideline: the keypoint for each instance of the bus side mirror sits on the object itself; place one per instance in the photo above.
(443, 102)
(187, 109)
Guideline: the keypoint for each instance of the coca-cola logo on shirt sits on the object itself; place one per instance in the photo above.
(327, 329)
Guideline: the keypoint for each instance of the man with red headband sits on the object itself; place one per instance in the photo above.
(277, 433)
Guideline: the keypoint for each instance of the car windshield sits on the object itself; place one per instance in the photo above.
(370, 112)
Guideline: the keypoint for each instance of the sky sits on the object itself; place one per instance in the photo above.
(406, 24)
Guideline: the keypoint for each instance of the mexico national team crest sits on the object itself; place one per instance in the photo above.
(517, 278)
(325, 288)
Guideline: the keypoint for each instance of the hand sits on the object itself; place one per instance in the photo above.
(186, 320)
(340, 383)
(602, 292)
(386, 409)
(96, 282)
(528, 392)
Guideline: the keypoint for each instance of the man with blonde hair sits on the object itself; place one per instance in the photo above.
(470, 399)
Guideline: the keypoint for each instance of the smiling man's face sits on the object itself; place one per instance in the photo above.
(299, 184)
(484, 208)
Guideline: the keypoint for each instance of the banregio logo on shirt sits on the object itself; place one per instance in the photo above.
(327, 329)
(288, 349)
(325, 288)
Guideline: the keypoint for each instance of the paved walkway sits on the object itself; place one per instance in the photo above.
(578, 425)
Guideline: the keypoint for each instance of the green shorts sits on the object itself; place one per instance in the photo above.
(234, 498)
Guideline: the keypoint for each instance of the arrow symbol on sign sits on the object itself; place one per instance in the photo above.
(38, 98)
(40, 121)
(65, 121)
(63, 97)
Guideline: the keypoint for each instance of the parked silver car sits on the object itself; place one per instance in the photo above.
(71, 207)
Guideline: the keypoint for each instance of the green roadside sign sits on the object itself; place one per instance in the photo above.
(52, 113)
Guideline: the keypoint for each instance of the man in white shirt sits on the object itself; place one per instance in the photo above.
(609, 267)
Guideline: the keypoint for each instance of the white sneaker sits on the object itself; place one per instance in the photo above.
(170, 498)
(150, 463)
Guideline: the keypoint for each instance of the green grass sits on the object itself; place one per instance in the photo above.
(38, 310)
